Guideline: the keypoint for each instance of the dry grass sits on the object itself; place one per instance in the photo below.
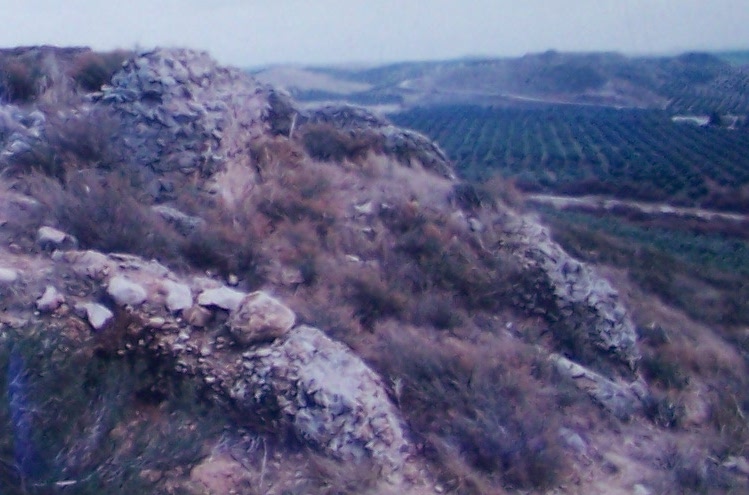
(482, 402)
(91, 70)
(19, 80)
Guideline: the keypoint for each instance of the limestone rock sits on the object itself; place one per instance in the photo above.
(184, 223)
(197, 316)
(260, 318)
(50, 238)
(126, 292)
(618, 399)
(97, 315)
(223, 297)
(50, 300)
(333, 399)
(573, 440)
(178, 296)
(89, 263)
(579, 297)
(8, 275)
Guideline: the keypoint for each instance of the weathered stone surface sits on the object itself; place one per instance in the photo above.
(126, 292)
(178, 296)
(223, 297)
(91, 264)
(619, 399)
(184, 223)
(197, 316)
(580, 298)
(260, 318)
(51, 238)
(175, 108)
(50, 300)
(8, 275)
(97, 315)
(333, 399)
(573, 440)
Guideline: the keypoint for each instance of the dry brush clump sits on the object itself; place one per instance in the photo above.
(19, 80)
(327, 142)
(91, 70)
(76, 419)
(486, 403)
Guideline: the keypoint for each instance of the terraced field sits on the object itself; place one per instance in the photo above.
(640, 154)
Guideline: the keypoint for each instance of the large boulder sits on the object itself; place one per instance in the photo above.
(221, 297)
(126, 292)
(260, 318)
(577, 299)
(332, 399)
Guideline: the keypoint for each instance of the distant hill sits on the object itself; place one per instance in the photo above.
(735, 57)
(687, 83)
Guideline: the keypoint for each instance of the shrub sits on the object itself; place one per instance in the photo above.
(373, 299)
(19, 81)
(667, 372)
(325, 142)
(91, 70)
(72, 143)
(438, 311)
(102, 213)
(224, 249)
(481, 402)
(471, 197)
(73, 415)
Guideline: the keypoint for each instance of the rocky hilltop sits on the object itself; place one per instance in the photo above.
(207, 288)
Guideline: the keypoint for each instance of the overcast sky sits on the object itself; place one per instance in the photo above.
(257, 32)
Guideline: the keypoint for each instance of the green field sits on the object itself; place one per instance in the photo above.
(638, 154)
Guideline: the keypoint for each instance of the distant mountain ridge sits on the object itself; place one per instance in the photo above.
(602, 79)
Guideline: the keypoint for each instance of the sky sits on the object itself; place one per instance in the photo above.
(250, 33)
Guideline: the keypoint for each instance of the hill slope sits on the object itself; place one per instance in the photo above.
(689, 83)
(206, 288)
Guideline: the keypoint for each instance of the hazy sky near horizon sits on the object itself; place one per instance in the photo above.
(257, 32)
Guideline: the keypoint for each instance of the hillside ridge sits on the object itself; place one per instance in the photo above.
(244, 271)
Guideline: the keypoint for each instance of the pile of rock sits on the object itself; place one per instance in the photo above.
(248, 350)
(21, 131)
(582, 301)
(181, 111)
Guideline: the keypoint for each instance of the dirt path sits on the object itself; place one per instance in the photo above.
(605, 203)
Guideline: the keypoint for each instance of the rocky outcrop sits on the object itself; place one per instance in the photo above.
(21, 130)
(621, 400)
(403, 144)
(295, 376)
(334, 400)
(177, 108)
(180, 117)
(260, 317)
(578, 299)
